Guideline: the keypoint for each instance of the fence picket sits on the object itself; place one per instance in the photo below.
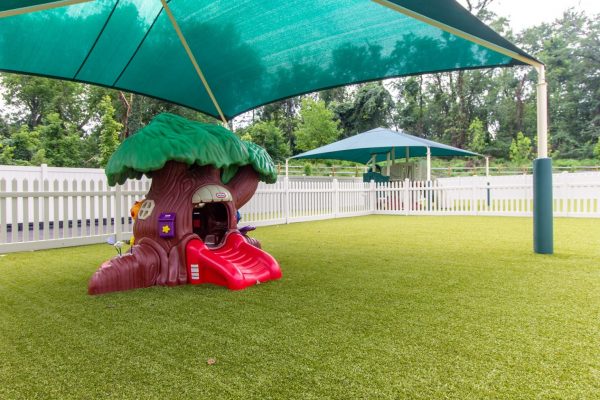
(36, 210)
(65, 207)
(14, 231)
(75, 218)
(25, 210)
(3, 216)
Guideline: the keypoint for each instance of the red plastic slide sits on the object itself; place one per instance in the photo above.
(236, 264)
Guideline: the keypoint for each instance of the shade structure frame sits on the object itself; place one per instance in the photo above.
(193, 60)
(42, 5)
(526, 60)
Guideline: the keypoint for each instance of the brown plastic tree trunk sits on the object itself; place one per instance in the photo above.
(158, 261)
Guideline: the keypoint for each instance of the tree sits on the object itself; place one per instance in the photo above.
(267, 135)
(476, 136)
(283, 113)
(520, 149)
(109, 130)
(6, 154)
(61, 142)
(597, 149)
(371, 107)
(410, 105)
(317, 125)
(27, 145)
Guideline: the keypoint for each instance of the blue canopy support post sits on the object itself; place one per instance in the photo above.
(487, 177)
(429, 186)
(543, 224)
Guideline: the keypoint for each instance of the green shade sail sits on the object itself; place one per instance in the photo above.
(251, 52)
(170, 137)
(380, 141)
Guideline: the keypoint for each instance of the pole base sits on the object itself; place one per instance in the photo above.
(543, 223)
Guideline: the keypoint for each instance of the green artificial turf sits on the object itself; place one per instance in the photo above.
(370, 307)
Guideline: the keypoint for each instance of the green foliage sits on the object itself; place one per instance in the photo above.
(307, 169)
(410, 107)
(171, 137)
(317, 125)
(370, 108)
(284, 114)
(268, 135)
(597, 149)
(60, 141)
(109, 130)
(27, 145)
(6, 154)
(520, 149)
(476, 136)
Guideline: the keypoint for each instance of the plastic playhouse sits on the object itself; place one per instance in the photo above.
(186, 229)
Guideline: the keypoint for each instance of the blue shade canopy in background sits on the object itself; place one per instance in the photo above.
(380, 141)
(250, 52)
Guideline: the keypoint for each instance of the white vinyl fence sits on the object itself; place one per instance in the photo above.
(38, 213)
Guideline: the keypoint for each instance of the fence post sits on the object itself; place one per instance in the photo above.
(336, 198)
(566, 202)
(3, 216)
(372, 190)
(118, 212)
(43, 172)
(406, 194)
(286, 199)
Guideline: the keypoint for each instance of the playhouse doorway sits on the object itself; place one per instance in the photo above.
(210, 221)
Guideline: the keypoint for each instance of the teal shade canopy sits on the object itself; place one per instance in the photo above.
(251, 52)
(380, 141)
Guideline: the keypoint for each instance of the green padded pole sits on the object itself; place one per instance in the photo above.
(543, 226)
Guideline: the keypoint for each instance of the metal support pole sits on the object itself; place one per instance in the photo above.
(428, 164)
(543, 224)
(542, 113)
(487, 175)
(287, 169)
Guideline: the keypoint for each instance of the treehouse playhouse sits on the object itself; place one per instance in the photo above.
(186, 228)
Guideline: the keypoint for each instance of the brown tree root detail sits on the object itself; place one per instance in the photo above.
(131, 271)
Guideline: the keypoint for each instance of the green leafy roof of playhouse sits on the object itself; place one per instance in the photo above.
(170, 137)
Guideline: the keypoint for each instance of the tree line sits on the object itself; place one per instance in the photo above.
(490, 111)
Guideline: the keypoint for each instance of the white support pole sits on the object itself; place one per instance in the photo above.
(428, 164)
(487, 166)
(388, 164)
(542, 113)
(543, 205)
(287, 170)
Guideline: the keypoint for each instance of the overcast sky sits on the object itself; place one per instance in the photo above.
(526, 13)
